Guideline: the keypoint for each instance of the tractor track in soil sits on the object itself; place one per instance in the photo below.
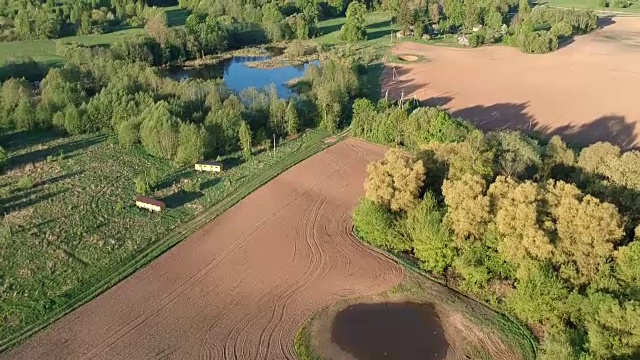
(241, 286)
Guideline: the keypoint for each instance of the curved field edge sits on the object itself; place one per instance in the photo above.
(173, 238)
(512, 332)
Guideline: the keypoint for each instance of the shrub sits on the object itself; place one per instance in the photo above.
(418, 30)
(192, 185)
(147, 182)
(620, 4)
(603, 3)
(4, 158)
(538, 42)
(25, 183)
(561, 29)
(476, 39)
(433, 245)
(375, 224)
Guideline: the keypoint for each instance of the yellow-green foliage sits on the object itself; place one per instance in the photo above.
(395, 182)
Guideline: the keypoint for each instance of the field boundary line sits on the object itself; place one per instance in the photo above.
(176, 236)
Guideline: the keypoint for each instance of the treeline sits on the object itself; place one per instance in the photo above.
(29, 19)
(547, 233)
(184, 121)
(536, 30)
(278, 20)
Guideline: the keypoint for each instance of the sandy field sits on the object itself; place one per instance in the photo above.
(587, 91)
(242, 286)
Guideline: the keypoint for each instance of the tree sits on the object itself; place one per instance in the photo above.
(557, 159)
(472, 156)
(147, 182)
(405, 18)
(245, 139)
(364, 115)
(454, 11)
(375, 224)
(613, 327)
(396, 181)
(192, 141)
(72, 121)
(518, 155)
(467, 207)
(129, 133)
(293, 123)
(523, 243)
(628, 267)
(432, 243)
(4, 158)
(24, 116)
(539, 298)
(159, 131)
(157, 27)
(354, 27)
(272, 20)
(434, 12)
(278, 116)
(524, 7)
(587, 230)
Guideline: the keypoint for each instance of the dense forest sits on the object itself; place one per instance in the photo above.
(543, 231)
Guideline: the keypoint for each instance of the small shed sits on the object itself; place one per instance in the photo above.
(463, 40)
(477, 28)
(149, 204)
(212, 166)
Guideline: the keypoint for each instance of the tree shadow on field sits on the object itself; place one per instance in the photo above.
(29, 198)
(209, 183)
(379, 24)
(373, 35)
(604, 21)
(328, 29)
(16, 140)
(514, 116)
(612, 128)
(69, 149)
(180, 198)
(436, 101)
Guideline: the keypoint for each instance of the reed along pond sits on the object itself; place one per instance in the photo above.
(390, 331)
(238, 76)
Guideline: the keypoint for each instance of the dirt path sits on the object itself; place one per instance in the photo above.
(240, 287)
(586, 91)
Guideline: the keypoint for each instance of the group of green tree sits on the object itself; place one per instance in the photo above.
(536, 30)
(36, 19)
(185, 121)
(547, 233)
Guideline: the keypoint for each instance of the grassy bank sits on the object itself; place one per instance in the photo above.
(74, 232)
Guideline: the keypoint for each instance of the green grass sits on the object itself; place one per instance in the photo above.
(44, 50)
(591, 4)
(302, 344)
(76, 232)
(379, 29)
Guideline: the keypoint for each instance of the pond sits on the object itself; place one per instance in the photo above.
(238, 76)
(390, 331)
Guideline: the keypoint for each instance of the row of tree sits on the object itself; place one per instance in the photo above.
(547, 233)
(27, 19)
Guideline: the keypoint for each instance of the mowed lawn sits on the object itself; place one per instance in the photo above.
(44, 50)
(591, 4)
(379, 28)
(71, 229)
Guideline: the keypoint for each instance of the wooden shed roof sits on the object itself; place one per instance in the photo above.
(150, 201)
(208, 162)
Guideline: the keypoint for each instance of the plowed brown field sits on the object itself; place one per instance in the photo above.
(586, 91)
(240, 287)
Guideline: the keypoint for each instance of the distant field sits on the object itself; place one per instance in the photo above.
(378, 29)
(44, 50)
(73, 230)
(591, 4)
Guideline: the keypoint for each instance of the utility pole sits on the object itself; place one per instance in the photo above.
(274, 144)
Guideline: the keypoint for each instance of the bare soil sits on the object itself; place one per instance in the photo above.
(240, 287)
(586, 91)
